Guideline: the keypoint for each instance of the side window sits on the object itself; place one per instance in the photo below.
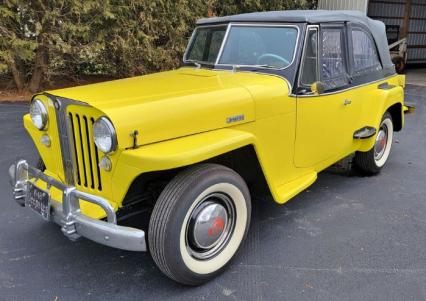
(364, 52)
(332, 55)
(206, 44)
(309, 73)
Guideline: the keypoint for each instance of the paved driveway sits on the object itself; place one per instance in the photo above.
(345, 238)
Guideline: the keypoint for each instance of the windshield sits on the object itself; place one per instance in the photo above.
(261, 46)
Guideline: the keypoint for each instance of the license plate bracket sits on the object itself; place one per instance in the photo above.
(38, 200)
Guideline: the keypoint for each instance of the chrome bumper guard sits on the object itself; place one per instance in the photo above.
(74, 224)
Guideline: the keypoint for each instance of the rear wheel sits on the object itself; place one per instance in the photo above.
(374, 160)
(199, 222)
(399, 63)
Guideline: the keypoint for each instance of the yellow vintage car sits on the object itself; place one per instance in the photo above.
(270, 97)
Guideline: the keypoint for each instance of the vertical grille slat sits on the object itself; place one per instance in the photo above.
(85, 143)
(74, 146)
(93, 155)
(96, 157)
(79, 149)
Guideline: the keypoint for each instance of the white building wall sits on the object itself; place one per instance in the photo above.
(360, 5)
(392, 12)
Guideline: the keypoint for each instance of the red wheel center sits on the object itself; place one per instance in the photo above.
(217, 227)
(383, 142)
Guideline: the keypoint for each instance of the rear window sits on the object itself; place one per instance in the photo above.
(364, 52)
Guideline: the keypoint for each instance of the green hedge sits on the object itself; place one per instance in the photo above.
(45, 39)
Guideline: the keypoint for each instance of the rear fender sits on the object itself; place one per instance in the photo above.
(388, 100)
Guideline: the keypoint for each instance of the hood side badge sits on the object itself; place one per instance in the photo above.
(236, 118)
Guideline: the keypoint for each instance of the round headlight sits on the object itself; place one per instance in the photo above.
(38, 114)
(104, 135)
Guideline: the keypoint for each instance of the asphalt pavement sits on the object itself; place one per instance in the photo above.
(345, 238)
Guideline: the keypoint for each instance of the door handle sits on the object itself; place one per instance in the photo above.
(347, 102)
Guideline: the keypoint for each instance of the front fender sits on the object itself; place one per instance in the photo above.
(175, 153)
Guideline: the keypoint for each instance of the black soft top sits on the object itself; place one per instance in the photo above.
(377, 28)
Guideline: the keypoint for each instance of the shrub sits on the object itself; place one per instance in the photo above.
(71, 38)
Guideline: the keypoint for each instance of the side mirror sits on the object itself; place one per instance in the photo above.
(317, 88)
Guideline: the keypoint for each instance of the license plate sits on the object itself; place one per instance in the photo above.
(38, 200)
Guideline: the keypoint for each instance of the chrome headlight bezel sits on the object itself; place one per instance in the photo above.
(37, 103)
(112, 135)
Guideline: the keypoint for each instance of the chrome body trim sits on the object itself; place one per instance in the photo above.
(302, 61)
(74, 224)
(66, 143)
(343, 90)
(225, 38)
(365, 132)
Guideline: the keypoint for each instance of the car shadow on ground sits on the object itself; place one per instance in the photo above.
(85, 264)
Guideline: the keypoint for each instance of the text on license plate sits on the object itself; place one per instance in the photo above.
(38, 200)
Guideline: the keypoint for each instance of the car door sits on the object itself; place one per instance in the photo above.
(366, 69)
(325, 121)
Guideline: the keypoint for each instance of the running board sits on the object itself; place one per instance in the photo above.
(287, 191)
(365, 132)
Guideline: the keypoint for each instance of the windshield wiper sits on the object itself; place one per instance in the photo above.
(264, 66)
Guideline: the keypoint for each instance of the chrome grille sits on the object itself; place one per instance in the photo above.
(79, 153)
(63, 131)
(86, 157)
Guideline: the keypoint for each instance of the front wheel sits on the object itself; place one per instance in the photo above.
(199, 222)
(374, 160)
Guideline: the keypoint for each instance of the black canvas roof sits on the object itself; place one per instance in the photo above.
(291, 16)
(377, 28)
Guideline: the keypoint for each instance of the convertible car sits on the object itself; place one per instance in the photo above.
(267, 98)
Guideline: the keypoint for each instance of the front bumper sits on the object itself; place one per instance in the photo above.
(74, 224)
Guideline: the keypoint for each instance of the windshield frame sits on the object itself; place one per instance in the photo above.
(225, 39)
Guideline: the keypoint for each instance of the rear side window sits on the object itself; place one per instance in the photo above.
(333, 71)
(364, 52)
(332, 55)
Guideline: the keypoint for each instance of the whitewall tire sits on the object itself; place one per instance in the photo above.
(199, 223)
(372, 161)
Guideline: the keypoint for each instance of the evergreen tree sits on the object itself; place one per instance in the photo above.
(40, 39)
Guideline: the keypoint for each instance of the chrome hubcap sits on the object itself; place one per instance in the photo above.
(211, 221)
(210, 226)
(381, 142)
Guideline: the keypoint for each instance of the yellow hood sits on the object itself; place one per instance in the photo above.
(171, 104)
